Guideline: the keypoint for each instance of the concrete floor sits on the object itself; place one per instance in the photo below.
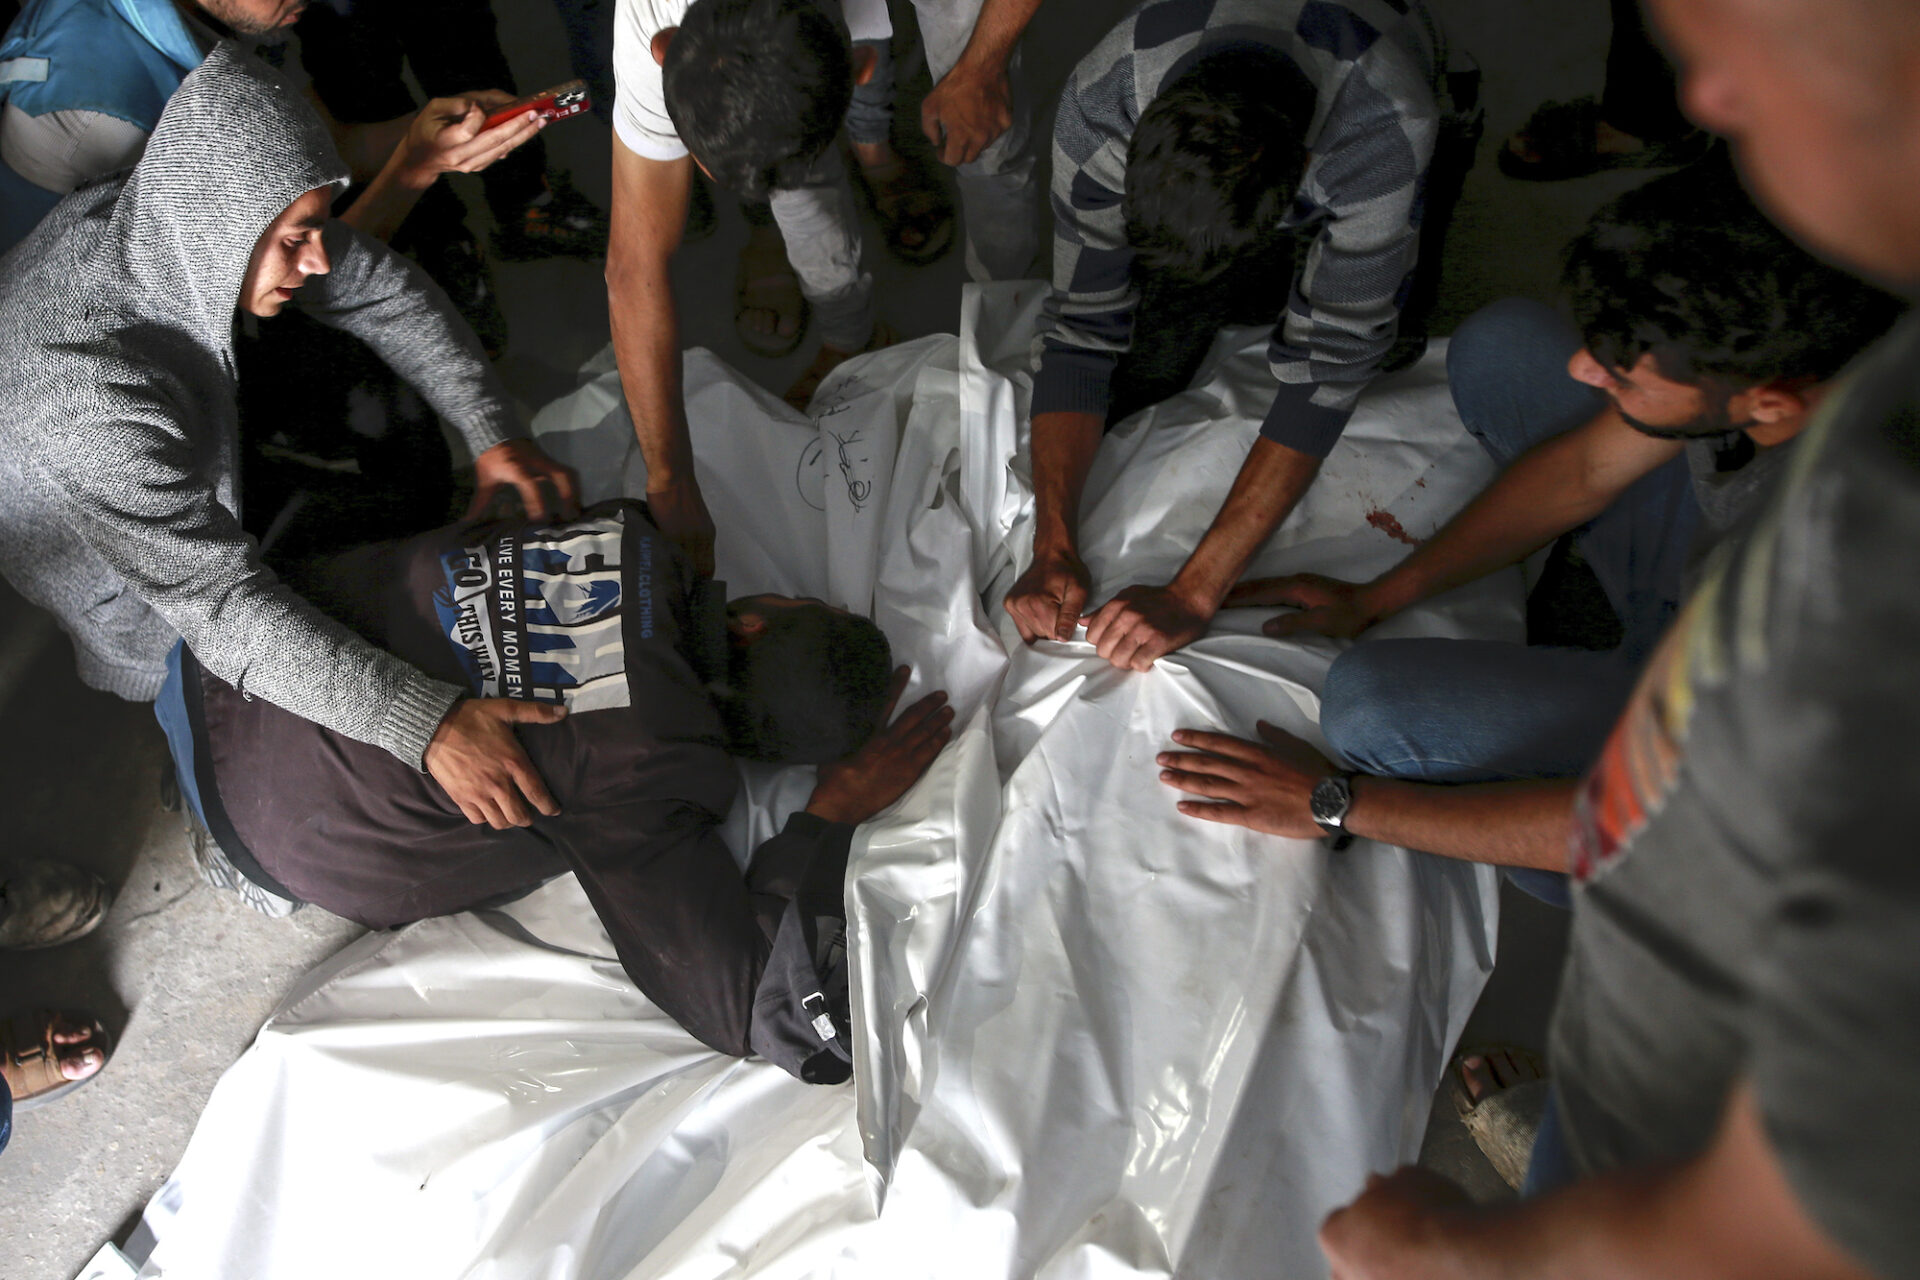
(185, 975)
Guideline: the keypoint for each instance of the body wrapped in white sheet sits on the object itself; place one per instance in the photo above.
(1095, 1038)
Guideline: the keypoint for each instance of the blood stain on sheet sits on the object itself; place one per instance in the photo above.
(1384, 521)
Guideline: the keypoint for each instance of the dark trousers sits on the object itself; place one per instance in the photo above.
(355, 49)
(1641, 97)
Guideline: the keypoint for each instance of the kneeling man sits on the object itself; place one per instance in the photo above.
(663, 681)
(1706, 341)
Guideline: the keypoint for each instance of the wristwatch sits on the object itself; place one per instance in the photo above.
(1331, 798)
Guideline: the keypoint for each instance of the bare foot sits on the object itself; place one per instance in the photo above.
(768, 308)
(1484, 1075)
(45, 1048)
(1607, 141)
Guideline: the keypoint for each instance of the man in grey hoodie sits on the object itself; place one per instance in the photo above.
(118, 503)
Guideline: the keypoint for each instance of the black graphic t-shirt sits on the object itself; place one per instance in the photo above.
(600, 614)
(541, 614)
(1748, 889)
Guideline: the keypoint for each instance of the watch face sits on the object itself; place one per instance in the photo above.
(1330, 800)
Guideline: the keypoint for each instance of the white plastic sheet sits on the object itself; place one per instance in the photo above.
(1095, 1038)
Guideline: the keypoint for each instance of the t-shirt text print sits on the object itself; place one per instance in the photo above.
(539, 617)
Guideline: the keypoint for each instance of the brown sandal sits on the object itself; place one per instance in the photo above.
(30, 1056)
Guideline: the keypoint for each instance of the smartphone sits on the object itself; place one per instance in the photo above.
(557, 103)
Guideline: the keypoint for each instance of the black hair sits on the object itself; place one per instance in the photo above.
(757, 89)
(809, 688)
(1687, 269)
(1215, 161)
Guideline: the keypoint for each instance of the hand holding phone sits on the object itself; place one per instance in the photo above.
(557, 103)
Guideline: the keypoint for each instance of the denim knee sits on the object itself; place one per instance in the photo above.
(1361, 712)
(1496, 332)
(1507, 370)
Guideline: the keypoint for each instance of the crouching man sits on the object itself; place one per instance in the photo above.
(664, 680)
(119, 493)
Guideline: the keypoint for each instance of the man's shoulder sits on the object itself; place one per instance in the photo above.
(655, 15)
(96, 60)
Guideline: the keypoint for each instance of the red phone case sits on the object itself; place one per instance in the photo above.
(557, 103)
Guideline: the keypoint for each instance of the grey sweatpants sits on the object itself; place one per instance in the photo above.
(999, 200)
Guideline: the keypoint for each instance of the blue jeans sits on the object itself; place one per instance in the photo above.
(170, 709)
(1482, 711)
(6, 1113)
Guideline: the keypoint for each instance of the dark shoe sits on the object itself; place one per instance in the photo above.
(915, 214)
(1565, 137)
(561, 223)
(44, 903)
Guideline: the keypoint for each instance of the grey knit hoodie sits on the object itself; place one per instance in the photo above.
(118, 419)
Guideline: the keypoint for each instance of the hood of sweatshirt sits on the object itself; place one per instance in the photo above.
(235, 146)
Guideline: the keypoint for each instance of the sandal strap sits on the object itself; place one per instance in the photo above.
(32, 1059)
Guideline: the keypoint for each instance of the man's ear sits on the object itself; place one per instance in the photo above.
(865, 59)
(1774, 401)
(1777, 411)
(746, 624)
(661, 39)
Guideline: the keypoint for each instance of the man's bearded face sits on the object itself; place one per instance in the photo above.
(260, 19)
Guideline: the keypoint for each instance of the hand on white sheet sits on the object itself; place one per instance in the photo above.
(855, 787)
(482, 766)
(1328, 606)
(1263, 785)
(681, 513)
(1046, 601)
(1144, 623)
(1396, 1229)
(525, 467)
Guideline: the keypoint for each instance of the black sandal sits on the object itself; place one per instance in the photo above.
(1565, 137)
(907, 199)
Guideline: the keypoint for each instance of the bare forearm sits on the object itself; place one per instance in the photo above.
(996, 31)
(1523, 823)
(649, 210)
(1270, 483)
(1545, 492)
(1064, 444)
(646, 343)
(368, 147)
